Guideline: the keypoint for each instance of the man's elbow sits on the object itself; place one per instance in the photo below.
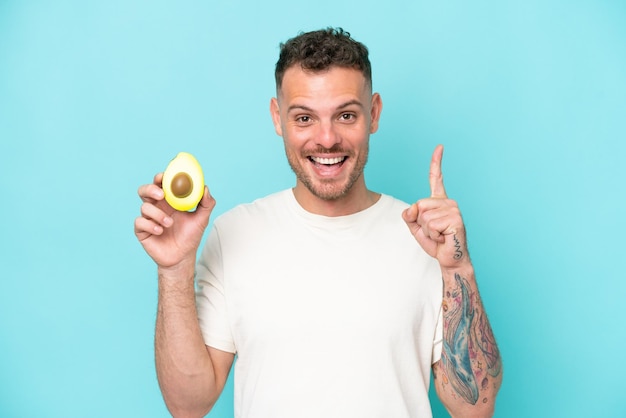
(179, 411)
(189, 408)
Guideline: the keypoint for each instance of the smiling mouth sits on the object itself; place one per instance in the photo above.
(327, 161)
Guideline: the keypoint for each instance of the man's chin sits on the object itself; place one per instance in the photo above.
(328, 191)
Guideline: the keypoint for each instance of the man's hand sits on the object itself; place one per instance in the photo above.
(436, 222)
(167, 235)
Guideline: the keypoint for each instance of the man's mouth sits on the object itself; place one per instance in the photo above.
(327, 161)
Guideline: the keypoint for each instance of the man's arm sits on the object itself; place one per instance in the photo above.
(191, 375)
(469, 374)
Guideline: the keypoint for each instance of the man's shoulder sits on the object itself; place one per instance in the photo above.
(392, 205)
(269, 205)
(394, 201)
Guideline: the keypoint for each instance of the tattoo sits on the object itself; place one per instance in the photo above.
(456, 341)
(470, 357)
(457, 248)
(486, 343)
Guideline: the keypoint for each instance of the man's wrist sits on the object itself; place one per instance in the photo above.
(183, 271)
(464, 269)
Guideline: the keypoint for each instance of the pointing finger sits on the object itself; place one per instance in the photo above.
(436, 177)
(150, 193)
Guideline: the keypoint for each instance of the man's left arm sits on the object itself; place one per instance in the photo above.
(469, 374)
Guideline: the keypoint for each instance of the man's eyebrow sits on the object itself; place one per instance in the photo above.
(341, 106)
(350, 103)
(299, 107)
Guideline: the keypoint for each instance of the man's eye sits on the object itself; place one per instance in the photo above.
(347, 116)
(303, 119)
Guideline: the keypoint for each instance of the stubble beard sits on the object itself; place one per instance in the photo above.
(328, 190)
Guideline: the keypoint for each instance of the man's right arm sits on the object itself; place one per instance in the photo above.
(191, 375)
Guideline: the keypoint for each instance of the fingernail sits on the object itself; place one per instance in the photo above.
(167, 221)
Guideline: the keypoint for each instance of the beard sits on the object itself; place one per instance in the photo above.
(328, 189)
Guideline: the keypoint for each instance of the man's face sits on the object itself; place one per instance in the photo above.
(325, 119)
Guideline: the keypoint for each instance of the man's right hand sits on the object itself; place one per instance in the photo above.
(169, 236)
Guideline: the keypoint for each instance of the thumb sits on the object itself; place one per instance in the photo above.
(409, 215)
(206, 204)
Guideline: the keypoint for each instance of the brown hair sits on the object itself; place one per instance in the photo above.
(320, 50)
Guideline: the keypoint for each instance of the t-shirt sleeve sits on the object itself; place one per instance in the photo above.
(438, 340)
(210, 296)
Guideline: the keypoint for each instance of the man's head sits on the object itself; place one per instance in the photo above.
(320, 50)
(325, 112)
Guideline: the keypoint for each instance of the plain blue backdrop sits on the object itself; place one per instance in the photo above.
(528, 97)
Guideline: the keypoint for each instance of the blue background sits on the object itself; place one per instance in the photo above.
(529, 98)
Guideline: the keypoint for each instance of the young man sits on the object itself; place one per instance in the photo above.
(333, 306)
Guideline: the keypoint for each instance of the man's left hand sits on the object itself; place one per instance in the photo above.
(436, 222)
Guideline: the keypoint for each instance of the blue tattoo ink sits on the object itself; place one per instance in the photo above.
(456, 358)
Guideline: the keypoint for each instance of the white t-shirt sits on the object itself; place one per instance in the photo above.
(329, 316)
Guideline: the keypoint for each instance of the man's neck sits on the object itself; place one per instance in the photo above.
(356, 200)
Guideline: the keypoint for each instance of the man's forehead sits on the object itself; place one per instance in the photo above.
(327, 82)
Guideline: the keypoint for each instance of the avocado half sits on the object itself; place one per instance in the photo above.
(183, 182)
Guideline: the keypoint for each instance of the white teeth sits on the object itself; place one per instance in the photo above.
(328, 161)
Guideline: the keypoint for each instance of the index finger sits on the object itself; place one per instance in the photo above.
(152, 192)
(435, 176)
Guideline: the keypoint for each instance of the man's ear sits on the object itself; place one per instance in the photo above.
(376, 110)
(275, 112)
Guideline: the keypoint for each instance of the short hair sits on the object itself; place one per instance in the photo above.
(320, 50)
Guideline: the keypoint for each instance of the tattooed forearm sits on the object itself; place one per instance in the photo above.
(456, 358)
(470, 359)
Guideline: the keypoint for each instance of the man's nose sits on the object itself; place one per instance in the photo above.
(327, 136)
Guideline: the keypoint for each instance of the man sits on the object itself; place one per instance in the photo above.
(333, 307)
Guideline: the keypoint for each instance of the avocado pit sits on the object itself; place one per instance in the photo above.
(181, 185)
